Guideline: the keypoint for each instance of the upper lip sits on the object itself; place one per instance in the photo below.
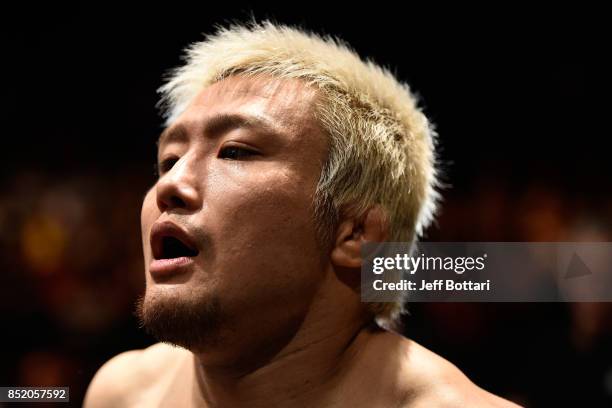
(160, 230)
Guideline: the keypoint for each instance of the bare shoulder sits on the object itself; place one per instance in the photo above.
(431, 380)
(133, 376)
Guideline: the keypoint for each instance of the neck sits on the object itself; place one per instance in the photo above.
(305, 371)
(301, 377)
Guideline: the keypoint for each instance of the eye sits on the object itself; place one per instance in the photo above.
(236, 153)
(165, 165)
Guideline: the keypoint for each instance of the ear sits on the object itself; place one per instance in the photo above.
(352, 234)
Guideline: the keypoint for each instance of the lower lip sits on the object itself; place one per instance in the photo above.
(165, 267)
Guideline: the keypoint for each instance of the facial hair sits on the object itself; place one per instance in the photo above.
(190, 323)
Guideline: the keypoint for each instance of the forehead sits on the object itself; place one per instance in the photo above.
(286, 104)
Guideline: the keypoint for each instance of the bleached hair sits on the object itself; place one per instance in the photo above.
(381, 145)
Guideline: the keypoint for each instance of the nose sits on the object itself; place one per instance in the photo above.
(178, 188)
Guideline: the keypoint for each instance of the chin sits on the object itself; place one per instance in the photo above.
(192, 322)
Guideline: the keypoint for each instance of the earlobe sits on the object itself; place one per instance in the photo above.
(347, 249)
(353, 234)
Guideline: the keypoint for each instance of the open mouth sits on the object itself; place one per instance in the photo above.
(172, 247)
(168, 241)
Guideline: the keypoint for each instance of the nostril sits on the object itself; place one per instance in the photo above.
(176, 202)
(177, 194)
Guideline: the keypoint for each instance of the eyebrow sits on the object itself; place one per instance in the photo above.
(220, 124)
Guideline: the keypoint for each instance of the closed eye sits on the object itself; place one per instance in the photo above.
(165, 165)
(236, 153)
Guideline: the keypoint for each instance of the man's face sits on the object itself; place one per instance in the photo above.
(228, 231)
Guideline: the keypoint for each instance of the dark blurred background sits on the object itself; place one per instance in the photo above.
(517, 96)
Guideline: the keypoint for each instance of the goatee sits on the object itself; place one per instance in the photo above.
(194, 325)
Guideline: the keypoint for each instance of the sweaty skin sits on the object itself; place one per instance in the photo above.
(287, 328)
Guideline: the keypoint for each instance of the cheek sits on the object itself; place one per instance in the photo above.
(265, 224)
(148, 214)
(269, 204)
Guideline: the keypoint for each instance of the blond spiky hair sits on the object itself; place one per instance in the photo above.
(381, 145)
